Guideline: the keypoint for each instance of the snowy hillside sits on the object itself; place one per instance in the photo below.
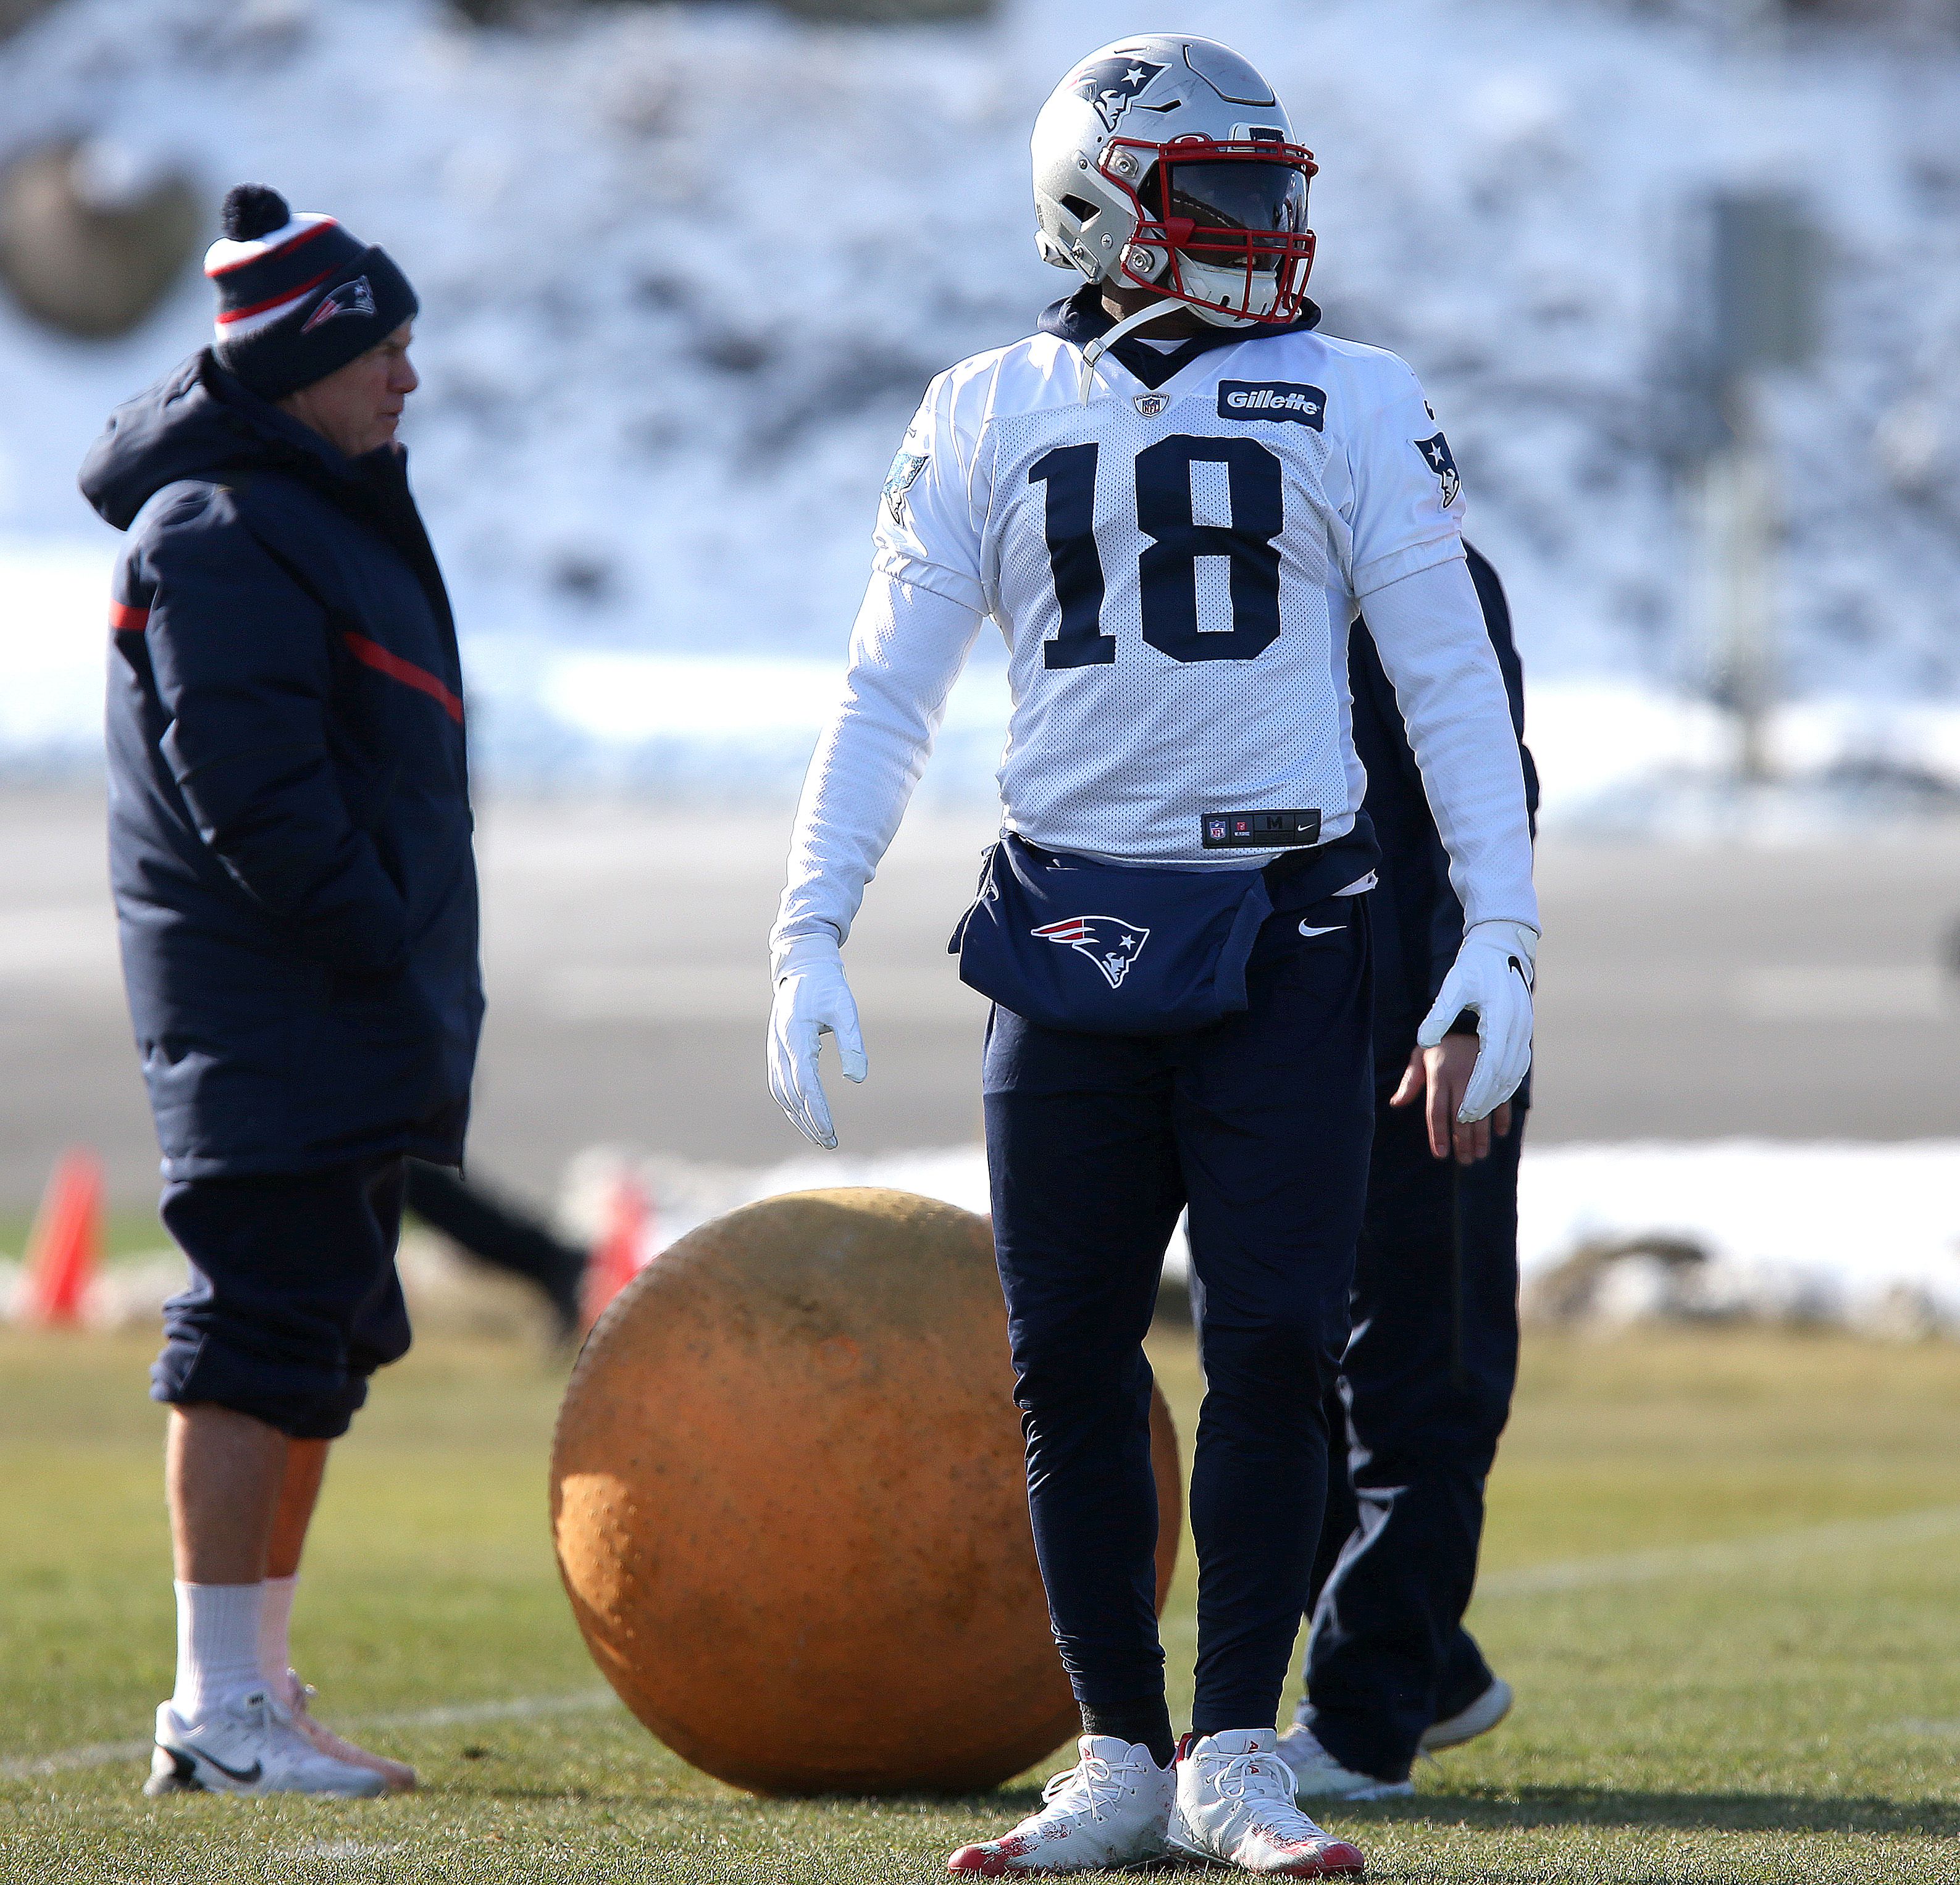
(686, 270)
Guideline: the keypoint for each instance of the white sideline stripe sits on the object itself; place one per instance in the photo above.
(1717, 1560)
(523, 1708)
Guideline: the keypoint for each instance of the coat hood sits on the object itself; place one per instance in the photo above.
(198, 421)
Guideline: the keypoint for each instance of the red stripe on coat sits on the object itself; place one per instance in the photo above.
(125, 620)
(395, 669)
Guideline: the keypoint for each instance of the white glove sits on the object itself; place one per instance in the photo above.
(1492, 974)
(812, 1000)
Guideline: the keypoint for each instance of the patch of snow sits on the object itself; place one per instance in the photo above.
(685, 271)
(1828, 1232)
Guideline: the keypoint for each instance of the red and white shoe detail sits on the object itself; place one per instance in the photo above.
(1235, 1806)
(397, 1777)
(1109, 1811)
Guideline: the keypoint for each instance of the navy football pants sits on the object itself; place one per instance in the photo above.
(1427, 1385)
(1260, 1124)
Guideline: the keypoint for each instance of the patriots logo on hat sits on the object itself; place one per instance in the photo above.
(1109, 942)
(351, 297)
(1112, 85)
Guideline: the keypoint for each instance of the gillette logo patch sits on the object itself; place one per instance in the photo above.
(1282, 400)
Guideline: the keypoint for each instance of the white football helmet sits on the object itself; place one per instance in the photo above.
(1165, 162)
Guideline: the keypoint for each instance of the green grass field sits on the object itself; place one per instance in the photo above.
(1721, 1573)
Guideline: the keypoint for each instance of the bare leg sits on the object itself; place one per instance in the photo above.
(299, 1492)
(223, 1472)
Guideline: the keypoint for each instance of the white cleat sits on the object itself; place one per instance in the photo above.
(1106, 1813)
(1318, 1775)
(397, 1777)
(1466, 1724)
(250, 1746)
(1235, 1806)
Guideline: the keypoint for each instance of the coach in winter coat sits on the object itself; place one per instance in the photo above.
(290, 824)
(291, 851)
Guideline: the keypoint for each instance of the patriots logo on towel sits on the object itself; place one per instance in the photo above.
(351, 297)
(1109, 942)
(1112, 85)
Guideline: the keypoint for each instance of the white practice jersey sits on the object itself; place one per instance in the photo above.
(1173, 569)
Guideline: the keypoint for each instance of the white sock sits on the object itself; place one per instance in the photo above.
(217, 1647)
(275, 1617)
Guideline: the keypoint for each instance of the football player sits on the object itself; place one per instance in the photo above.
(1171, 500)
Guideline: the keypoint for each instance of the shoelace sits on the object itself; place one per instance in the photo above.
(1261, 1779)
(1097, 1778)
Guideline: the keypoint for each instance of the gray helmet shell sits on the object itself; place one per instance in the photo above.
(1157, 87)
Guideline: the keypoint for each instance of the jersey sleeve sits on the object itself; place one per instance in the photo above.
(929, 514)
(1408, 500)
(907, 650)
(1429, 630)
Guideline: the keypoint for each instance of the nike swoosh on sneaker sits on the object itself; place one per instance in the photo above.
(1307, 929)
(245, 1776)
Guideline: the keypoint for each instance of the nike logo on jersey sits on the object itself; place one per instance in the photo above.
(1109, 942)
(245, 1776)
(1307, 929)
(1288, 402)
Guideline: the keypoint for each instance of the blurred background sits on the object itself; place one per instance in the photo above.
(1682, 280)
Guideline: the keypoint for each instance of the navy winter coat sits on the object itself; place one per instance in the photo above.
(290, 831)
(1418, 922)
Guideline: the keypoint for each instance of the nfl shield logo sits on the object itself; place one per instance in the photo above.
(1153, 405)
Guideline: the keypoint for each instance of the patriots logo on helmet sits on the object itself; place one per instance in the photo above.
(1436, 455)
(1109, 942)
(1112, 85)
(351, 297)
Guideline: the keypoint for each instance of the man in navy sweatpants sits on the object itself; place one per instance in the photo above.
(1425, 1383)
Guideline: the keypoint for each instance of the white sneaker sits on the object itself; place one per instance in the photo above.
(1482, 1715)
(1318, 1775)
(251, 1746)
(397, 1777)
(1107, 1813)
(1235, 1806)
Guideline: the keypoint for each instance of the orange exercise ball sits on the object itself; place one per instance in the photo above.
(790, 1510)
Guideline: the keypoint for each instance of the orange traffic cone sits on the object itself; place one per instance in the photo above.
(65, 1244)
(623, 1247)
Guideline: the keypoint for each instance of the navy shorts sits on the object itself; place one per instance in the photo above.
(293, 1301)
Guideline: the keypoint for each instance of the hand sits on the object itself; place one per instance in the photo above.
(812, 1001)
(1491, 976)
(1443, 1073)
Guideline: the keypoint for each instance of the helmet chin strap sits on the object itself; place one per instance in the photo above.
(1096, 348)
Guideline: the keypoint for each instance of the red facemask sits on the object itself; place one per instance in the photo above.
(1237, 208)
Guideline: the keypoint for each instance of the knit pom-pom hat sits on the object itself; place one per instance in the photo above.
(298, 297)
